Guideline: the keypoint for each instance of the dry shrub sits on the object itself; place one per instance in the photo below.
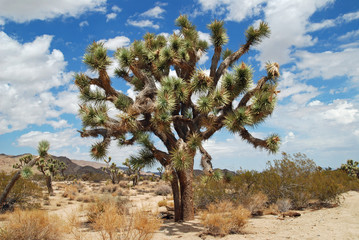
(163, 190)
(70, 192)
(35, 224)
(271, 210)
(109, 222)
(142, 225)
(73, 226)
(99, 206)
(284, 204)
(162, 203)
(223, 218)
(114, 222)
(257, 203)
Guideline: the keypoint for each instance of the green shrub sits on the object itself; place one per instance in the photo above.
(209, 191)
(25, 192)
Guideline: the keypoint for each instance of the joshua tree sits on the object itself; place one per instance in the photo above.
(176, 102)
(24, 167)
(46, 165)
(134, 167)
(113, 171)
(351, 168)
(160, 170)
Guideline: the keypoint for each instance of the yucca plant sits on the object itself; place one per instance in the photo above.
(164, 108)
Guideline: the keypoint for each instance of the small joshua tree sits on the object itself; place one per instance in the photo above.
(113, 171)
(24, 167)
(133, 169)
(160, 171)
(181, 111)
(46, 165)
(351, 168)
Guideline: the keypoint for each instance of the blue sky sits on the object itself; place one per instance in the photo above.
(316, 43)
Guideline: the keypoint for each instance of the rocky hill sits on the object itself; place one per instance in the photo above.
(74, 167)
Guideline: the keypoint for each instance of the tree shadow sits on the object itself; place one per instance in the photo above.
(172, 228)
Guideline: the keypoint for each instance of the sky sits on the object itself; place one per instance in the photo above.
(316, 43)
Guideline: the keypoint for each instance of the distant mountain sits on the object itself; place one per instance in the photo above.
(74, 167)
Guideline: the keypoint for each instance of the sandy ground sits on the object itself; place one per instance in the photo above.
(341, 222)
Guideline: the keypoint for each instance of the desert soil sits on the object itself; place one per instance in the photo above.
(341, 222)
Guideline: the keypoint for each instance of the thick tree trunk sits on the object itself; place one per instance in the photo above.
(13, 180)
(49, 185)
(186, 184)
(176, 198)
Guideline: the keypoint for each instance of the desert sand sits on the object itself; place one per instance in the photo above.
(341, 222)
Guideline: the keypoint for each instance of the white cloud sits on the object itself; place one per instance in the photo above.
(235, 10)
(327, 23)
(111, 16)
(349, 35)
(290, 86)
(205, 36)
(116, 9)
(279, 46)
(69, 143)
(143, 23)
(117, 42)
(155, 12)
(24, 11)
(329, 64)
(84, 24)
(29, 72)
(342, 112)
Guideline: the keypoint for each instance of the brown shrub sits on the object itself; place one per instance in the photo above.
(223, 218)
(70, 192)
(35, 224)
(162, 203)
(163, 190)
(113, 222)
(256, 203)
(283, 204)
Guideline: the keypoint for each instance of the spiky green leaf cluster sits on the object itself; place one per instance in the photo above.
(220, 97)
(26, 172)
(204, 104)
(123, 102)
(93, 116)
(239, 81)
(96, 57)
(143, 158)
(201, 82)
(256, 35)
(124, 56)
(181, 159)
(273, 142)
(194, 141)
(176, 87)
(263, 105)
(43, 147)
(237, 119)
(99, 150)
(218, 33)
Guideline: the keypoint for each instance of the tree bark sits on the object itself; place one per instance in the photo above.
(13, 180)
(186, 182)
(49, 185)
(176, 198)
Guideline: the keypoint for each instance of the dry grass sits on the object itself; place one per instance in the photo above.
(284, 204)
(257, 203)
(112, 221)
(223, 218)
(35, 224)
(162, 203)
(70, 192)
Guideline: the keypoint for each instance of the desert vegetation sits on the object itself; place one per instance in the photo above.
(224, 202)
